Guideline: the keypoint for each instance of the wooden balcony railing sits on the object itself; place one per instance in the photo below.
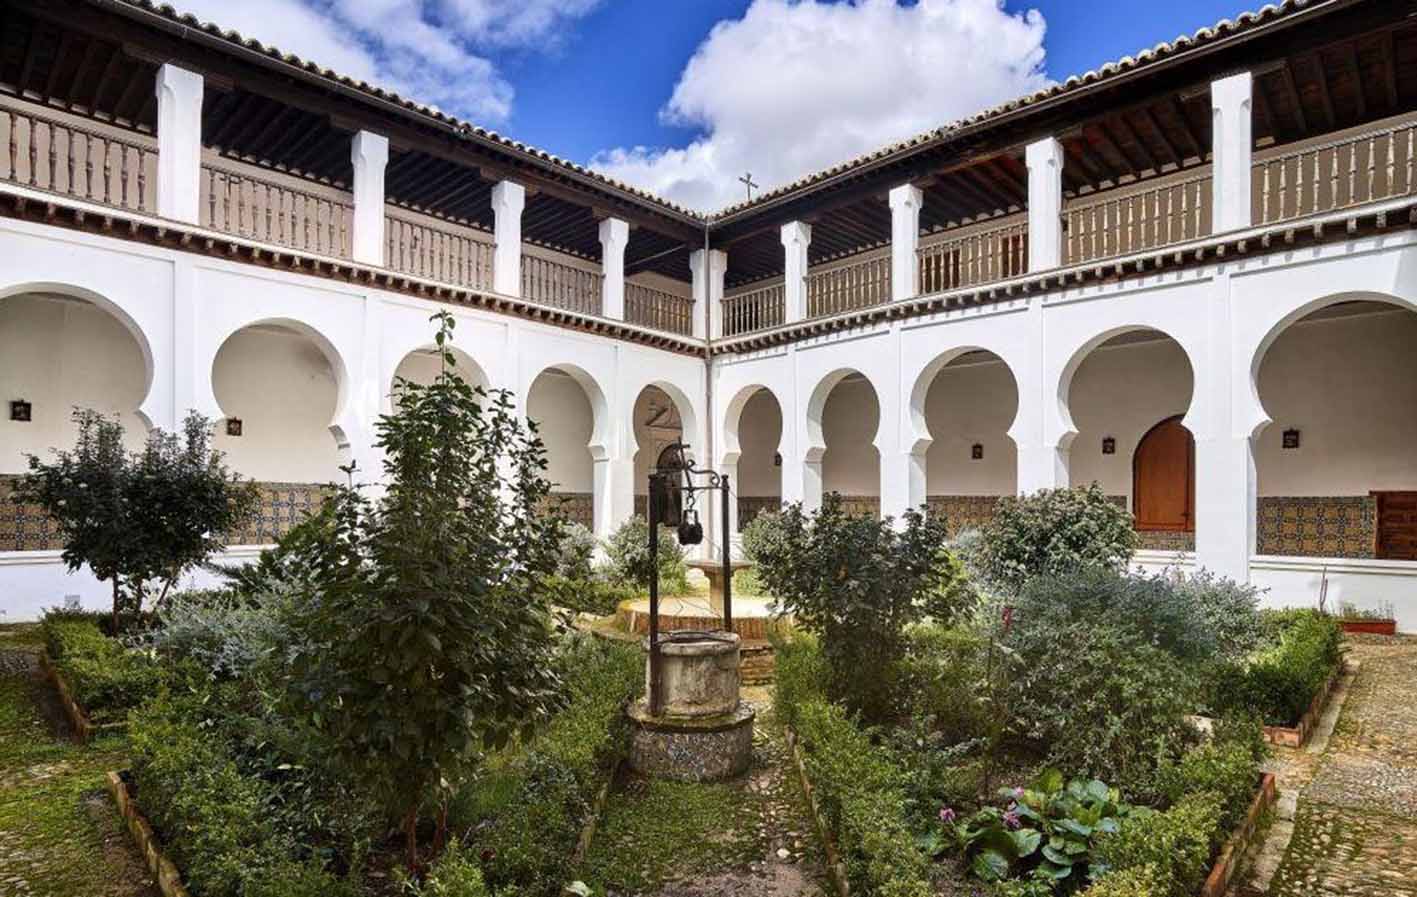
(236, 200)
(1366, 167)
(849, 286)
(438, 250)
(755, 309)
(649, 307)
(971, 259)
(560, 285)
(95, 164)
(1123, 221)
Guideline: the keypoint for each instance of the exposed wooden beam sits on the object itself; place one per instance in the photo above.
(27, 65)
(105, 79)
(1097, 168)
(66, 38)
(1286, 77)
(280, 120)
(1264, 109)
(131, 92)
(1360, 95)
(1389, 55)
(1183, 119)
(91, 49)
(1150, 118)
(1129, 135)
(1317, 63)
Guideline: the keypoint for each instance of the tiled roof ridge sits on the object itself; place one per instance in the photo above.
(1224, 28)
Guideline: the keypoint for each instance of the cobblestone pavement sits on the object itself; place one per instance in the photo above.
(1348, 808)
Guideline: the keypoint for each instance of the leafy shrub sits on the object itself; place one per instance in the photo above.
(1138, 881)
(454, 874)
(762, 535)
(289, 565)
(1281, 681)
(107, 678)
(859, 787)
(595, 595)
(1176, 845)
(942, 675)
(577, 550)
(225, 633)
(291, 879)
(800, 675)
(1226, 769)
(628, 550)
(1230, 610)
(1053, 532)
(526, 812)
(857, 583)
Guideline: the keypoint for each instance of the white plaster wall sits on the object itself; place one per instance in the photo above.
(1123, 390)
(1349, 385)
(282, 387)
(650, 442)
(851, 465)
(422, 366)
(759, 435)
(973, 400)
(57, 352)
(559, 406)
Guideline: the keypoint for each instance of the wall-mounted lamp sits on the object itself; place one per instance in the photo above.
(233, 426)
(20, 410)
(1291, 438)
(976, 452)
(1109, 445)
(777, 459)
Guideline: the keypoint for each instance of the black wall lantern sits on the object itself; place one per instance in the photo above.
(20, 410)
(1291, 438)
(1109, 445)
(233, 426)
(976, 452)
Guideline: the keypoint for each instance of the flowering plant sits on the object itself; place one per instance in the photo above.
(1046, 829)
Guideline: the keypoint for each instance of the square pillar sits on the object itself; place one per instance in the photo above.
(708, 268)
(905, 202)
(179, 143)
(508, 200)
(796, 237)
(1232, 149)
(1045, 204)
(369, 153)
(614, 237)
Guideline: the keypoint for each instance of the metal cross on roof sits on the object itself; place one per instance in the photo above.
(747, 181)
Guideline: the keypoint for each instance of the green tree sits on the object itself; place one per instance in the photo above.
(427, 634)
(1053, 532)
(138, 520)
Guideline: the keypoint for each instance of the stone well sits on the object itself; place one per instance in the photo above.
(703, 731)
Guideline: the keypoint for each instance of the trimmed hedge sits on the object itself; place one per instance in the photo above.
(859, 790)
(1177, 844)
(1280, 683)
(526, 813)
(107, 679)
(800, 675)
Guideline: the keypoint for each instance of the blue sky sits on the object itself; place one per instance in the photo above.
(682, 96)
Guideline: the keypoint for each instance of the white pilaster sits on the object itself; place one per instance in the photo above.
(708, 268)
(905, 202)
(1232, 143)
(179, 140)
(1042, 462)
(1045, 204)
(614, 237)
(369, 153)
(796, 237)
(508, 200)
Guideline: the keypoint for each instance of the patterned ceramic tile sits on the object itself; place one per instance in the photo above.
(963, 512)
(1318, 526)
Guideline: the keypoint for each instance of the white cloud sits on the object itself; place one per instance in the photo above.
(424, 49)
(793, 87)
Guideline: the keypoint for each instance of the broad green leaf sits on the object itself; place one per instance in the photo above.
(990, 865)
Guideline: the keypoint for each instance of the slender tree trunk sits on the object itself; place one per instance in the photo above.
(116, 601)
(410, 837)
(440, 834)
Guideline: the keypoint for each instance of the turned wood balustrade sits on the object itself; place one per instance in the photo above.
(658, 309)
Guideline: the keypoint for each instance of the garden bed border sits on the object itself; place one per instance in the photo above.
(1369, 627)
(836, 869)
(164, 871)
(1298, 735)
(84, 728)
(1227, 862)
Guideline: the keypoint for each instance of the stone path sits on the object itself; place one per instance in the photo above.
(1346, 825)
(60, 834)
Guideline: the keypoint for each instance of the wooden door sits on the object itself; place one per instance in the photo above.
(1164, 479)
(1397, 525)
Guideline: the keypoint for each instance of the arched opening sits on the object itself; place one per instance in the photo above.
(659, 423)
(1132, 384)
(759, 475)
(1164, 479)
(851, 464)
(565, 417)
(59, 352)
(278, 390)
(422, 366)
(968, 408)
(1336, 468)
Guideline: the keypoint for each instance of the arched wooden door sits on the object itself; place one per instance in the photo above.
(1164, 479)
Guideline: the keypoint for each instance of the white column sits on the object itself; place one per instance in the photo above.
(179, 143)
(708, 268)
(614, 237)
(369, 153)
(905, 202)
(810, 478)
(1226, 483)
(1232, 144)
(902, 482)
(796, 237)
(1045, 204)
(1042, 462)
(508, 200)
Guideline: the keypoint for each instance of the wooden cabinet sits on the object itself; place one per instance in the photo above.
(1397, 525)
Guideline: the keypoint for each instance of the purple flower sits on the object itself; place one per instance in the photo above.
(947, 815)
(1011, 819)
(1018, 794)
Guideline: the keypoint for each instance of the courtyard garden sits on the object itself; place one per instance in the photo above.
(419, 692)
